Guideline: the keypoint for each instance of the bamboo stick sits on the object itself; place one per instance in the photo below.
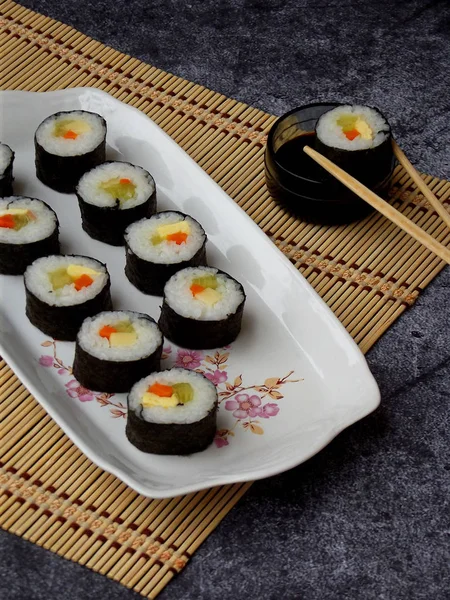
(415, 176)
(380, 205)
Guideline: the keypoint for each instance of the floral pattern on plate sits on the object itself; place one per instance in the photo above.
(248, 404)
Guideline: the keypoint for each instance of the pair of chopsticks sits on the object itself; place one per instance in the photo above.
(387, 209)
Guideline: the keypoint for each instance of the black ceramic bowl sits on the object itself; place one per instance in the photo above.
(310, 192)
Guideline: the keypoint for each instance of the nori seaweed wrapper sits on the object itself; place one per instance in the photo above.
(197, 334)
(6, 180)
(173, 438)
(62, 173)
(149, 277)
(15, 258)
(113, 376)
(63, 322)
(368, 166)
(108, 224)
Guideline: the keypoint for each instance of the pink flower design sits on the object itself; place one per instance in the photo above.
(217, 377)
(189, 359)
(46, 360)
(269, 410)
(61, 371)
(75, 390)
(220, 442)
(167, 351)
(244, 406)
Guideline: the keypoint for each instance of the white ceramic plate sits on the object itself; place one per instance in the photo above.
(289, 384)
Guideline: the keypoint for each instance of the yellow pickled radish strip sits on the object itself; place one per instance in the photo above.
(77, 274)
(122, 339)
(76, 126)
(347, 122)
(176, 232)
(364, 129)
(167, 396)
(355, 126)
(76, 271)
(14, 211)
(208, 296)
(179, 227)
(149, 400)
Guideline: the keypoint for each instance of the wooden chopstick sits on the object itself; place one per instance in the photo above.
(380, 205)
(415, 176)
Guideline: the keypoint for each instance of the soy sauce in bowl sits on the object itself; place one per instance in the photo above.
(294, 160)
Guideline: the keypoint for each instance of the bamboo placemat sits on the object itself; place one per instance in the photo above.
(368, 273)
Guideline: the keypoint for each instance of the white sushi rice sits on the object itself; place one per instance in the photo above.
(38, 282)
(331, 134)
(91, 192)
(205, 396)
(139, 234)
(41, 228)
(179, 297)
(85, 142)
(149, 336)
(6, 155)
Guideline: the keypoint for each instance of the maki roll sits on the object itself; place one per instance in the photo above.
(29, 229)
(172, 412)
(113, 195)
(158, 247)
(62, 291)
(67, 144)
(6, 170)
(116, 349)
(358, 139)
(202, 308)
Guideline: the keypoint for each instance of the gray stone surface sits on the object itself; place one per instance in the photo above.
(367, 518)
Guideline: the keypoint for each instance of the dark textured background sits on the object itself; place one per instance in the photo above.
(368, 518)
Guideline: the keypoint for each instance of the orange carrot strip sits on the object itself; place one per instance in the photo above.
(196, 288)
(352, 134)
(7, 221)
(178, 237)
(106, 331)
(70, 135)
(83, 281)
(125, 180)
(161, 390)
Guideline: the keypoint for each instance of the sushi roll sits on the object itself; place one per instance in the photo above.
(67, 144)
(62, 291)
(29, 229)
(202, 308)
(158, 247)
(358, 139)
(172, 412)
(111, 197)
(6, 170)
(116, 349)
